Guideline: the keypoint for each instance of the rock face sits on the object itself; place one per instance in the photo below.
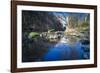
(40, 21)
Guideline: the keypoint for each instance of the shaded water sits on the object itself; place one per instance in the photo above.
(67, 48)
(67, 51)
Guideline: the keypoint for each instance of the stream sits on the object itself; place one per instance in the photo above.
(64, 50)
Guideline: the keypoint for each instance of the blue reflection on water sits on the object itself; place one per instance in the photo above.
(63, 51)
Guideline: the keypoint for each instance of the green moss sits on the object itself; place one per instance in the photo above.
(33, 34)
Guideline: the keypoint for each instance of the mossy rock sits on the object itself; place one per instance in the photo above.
(33, 34)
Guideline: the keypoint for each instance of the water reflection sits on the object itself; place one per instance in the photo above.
(68, 48)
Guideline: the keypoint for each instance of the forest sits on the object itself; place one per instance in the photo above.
(55, 36)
